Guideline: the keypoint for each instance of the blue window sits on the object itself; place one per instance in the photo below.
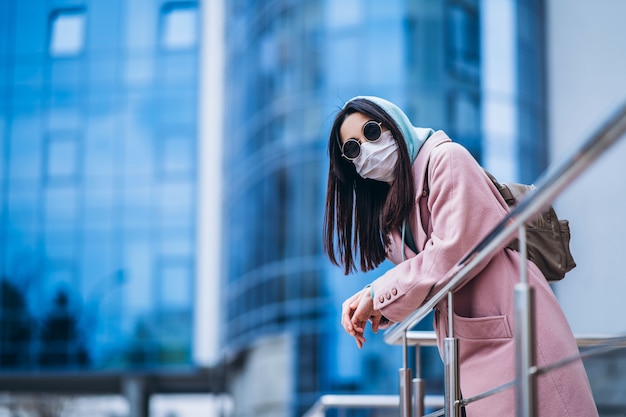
(177, 157)
(67, 32)
(175, 286)
(179, 23)
(464, 41)
(464, 120)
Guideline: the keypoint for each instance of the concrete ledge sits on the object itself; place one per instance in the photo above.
(192, 380)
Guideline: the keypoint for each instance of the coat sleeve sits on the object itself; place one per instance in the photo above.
(464, 207)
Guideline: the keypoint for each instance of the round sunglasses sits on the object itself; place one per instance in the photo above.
(351, 148)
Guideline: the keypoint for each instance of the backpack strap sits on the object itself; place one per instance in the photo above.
(407, 238)
(504, 191)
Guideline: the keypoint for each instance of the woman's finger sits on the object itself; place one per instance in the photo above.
(346, 318)
(359, 339)
(375, 319)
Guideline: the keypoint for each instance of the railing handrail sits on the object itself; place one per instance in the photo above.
(428, 338)
(548, 187)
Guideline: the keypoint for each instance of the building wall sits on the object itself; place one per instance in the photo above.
(587, 63)
(208, 305)
(587, 85)
(263, 385)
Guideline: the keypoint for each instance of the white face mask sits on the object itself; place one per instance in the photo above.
(378, 159)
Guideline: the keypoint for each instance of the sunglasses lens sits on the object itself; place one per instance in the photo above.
(351, 149)
(371, 131)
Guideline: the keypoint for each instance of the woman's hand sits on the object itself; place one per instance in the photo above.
(356, 311)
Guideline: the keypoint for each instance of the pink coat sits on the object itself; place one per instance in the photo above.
(460, 208)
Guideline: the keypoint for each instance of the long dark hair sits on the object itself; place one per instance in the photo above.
(363, 212)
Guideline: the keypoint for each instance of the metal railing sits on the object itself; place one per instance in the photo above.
(598, 344)
(548, 187)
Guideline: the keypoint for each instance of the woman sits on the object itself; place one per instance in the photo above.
(388, 179)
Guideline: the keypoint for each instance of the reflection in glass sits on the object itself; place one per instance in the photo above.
(177, 157)
(61, 158)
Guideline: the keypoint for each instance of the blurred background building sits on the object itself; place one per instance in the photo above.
(99, 131)
(99, 196)
(163, 172)
(475, 69)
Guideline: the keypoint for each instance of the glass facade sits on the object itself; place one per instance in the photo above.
(98, 104)
(532, 149)
(273, 196)
(290, 65)
(99, 193)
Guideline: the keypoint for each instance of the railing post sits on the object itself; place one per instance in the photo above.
(451, 366)
(524, 338)
(419, 386)
(405, 380)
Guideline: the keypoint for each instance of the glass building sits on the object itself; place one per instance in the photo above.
(100, 174)
(472, 68)
(98, 137)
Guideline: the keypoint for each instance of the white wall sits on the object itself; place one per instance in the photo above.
(209, 242)
(587, 83)
(264, 385)
(499, 89)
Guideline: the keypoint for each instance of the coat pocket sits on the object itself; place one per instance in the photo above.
(481, 328)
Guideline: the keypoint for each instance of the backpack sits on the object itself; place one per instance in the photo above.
(547, 236)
